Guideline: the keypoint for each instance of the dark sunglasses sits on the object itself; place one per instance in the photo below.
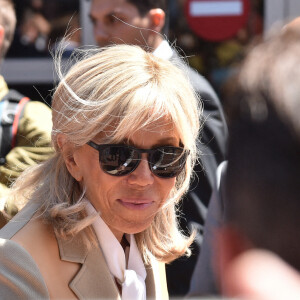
(120, 160)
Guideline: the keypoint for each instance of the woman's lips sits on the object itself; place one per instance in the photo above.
(137, 204)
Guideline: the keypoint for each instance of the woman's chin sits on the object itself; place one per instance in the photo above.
(133, 226)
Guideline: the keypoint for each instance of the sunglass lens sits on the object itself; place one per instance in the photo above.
(118, 160)
(167, 162)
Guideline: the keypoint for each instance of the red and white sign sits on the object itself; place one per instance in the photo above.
(216, 20)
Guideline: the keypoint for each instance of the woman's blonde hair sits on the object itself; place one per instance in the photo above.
(117, 91)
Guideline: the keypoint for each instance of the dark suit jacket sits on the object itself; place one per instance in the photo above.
(204, 279)
(212, 144)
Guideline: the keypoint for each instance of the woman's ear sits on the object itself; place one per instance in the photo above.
(67, 150)
(157, 18)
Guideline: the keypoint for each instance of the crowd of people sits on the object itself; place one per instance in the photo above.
(132, 187)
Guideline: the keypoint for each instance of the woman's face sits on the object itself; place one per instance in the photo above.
(128, 203)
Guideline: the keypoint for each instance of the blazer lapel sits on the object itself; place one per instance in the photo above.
(93, 281)
(150, 283)
(156, 281)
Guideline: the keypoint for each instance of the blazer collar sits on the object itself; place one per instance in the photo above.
(94, 279)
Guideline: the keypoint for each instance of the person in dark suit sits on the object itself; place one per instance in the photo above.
(143, 23)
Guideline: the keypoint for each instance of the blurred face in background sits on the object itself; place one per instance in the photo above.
(119, 22)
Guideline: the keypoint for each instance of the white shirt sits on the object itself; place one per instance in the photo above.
(163, 50)
(131, 278)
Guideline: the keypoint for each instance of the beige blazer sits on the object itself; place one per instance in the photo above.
(21, 277)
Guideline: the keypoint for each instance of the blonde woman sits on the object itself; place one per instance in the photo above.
(101, 218)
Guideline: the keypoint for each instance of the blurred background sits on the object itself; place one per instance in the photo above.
(213, 35)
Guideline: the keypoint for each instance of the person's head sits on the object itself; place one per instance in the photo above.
(122, 98)
(261, 274)
(7, 25)
(263, 185)
(131, 22)
(294, 24)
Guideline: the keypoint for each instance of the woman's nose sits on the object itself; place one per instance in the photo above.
(142, 175)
